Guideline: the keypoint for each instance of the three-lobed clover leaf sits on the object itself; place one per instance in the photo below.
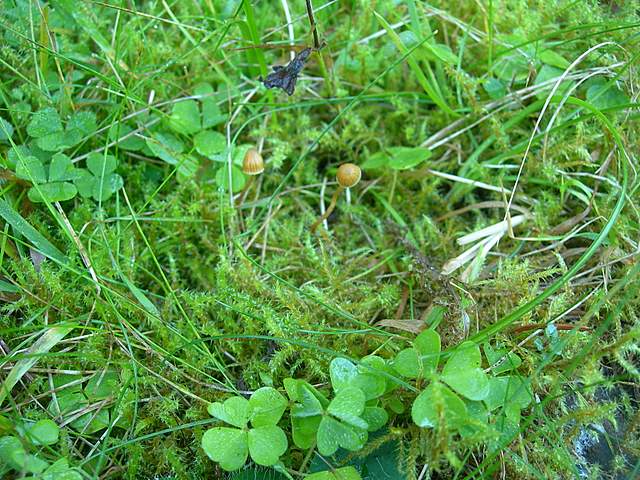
(265, 442)
(100, 180)
(53, 186)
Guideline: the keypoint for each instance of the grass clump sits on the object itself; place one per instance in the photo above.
(468, 310)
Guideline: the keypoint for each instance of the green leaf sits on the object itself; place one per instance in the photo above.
(376, 418)
(44, 122)
(309, 405)
(407, 363)
(344, 473)
(291, 387)
(267, 406)
(238, 179)
(438, 403)
(6, 130)
(440, 51)
(103, 189)
(56, 141)
(234, 411)
(333, 434)
(120, 130)
(372, 385)
(43, 432)
(100, 164)
(374, 365)
(84, 183)
(348, 405)
(166, 147)
(102, 385)
(61, 169)
(495, 88)
(31, 169)
(508, 390)
(547, 73)
(376, 161)
(187, 168)
(210, 144)
(403, 158)
(84, 123)
(602, 94)
(227, 446)
(16, 153)
(185, 117)
(303, 430)
(52, 192)
(12, 453)
(462, 372)
(60, 471)
(554, 59)
(342, 373)
(267, 444)
(427, 343)
(501, 360)
(211, 114)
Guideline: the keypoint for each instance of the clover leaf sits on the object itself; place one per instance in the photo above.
(508, 390)
(189, 117)
(14, 455)
(6, 130)
(46, 128)
(346, 374)
(436, 403)
(238, 179)
(422, 358)
(462, 372)
(211, 114)
(42, 432)
(265, 442)
(501, 360)
(55, 186)
(100, 180)
(210, 144)
(344, 473)
(185, 117)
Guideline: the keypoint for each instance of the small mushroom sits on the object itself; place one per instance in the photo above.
(252, 164)
(348, 176)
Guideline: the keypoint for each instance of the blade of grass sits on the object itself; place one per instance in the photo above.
(415, 67)
(46, 342)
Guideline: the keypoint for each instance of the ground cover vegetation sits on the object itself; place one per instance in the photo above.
(192, 288)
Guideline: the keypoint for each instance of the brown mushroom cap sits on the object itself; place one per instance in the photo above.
(252, 164)
(349, 175)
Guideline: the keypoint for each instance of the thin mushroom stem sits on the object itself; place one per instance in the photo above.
(330, 208)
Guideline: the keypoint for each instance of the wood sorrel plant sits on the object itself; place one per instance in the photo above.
(461, 398)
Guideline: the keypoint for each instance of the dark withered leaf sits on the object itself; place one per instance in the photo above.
(285, 77)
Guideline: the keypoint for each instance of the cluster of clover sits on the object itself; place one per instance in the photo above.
(461, 397)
